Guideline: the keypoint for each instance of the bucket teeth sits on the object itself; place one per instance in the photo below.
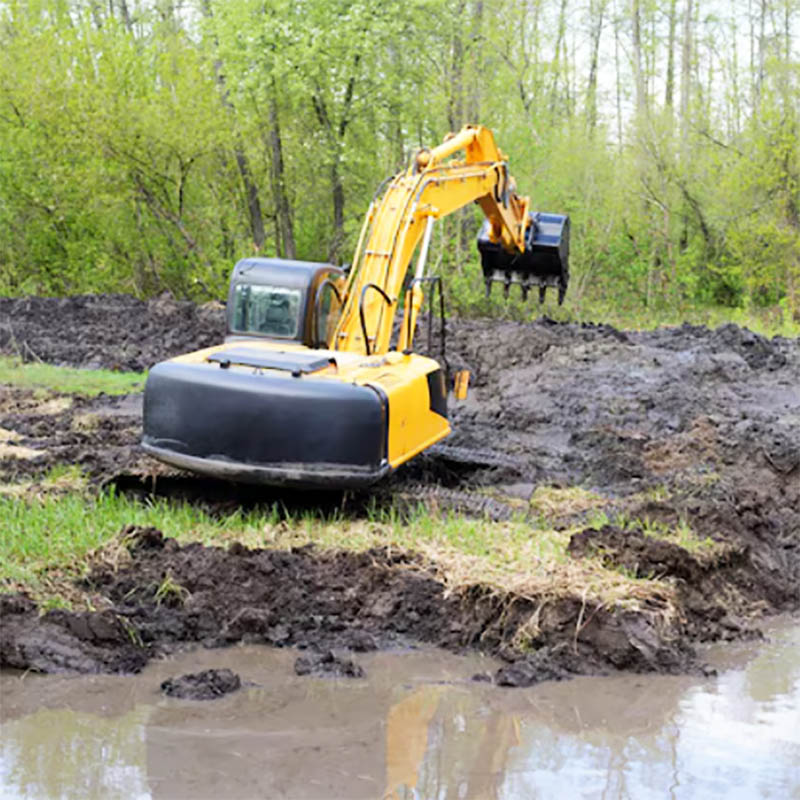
(544, 262)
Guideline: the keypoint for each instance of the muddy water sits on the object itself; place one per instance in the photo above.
(417, 727)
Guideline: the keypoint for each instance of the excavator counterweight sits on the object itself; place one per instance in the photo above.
(311, 387)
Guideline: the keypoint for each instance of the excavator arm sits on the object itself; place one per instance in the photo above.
(403, 215)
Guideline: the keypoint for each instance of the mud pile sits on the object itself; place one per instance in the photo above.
(591, 405)
(112, 331)
(169, 596)
(677, 427)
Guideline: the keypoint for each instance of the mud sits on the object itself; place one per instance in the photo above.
(677, 427)
(356, 601)
(115, 332)
(328, 664)
(209, 684)
(99, 435)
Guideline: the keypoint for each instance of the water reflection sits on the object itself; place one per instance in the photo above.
(61, 753)
(405, 733)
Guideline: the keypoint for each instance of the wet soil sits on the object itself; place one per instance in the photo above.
(206, 685)
(328, 664)
(115, 332)
(677, 427)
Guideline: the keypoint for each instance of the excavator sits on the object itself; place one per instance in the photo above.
(314, 385)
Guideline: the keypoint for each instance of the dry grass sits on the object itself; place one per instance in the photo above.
(556, 503)
(508, 558)
(18, 452)
(87, 422)
(60, 480)
(59, 538)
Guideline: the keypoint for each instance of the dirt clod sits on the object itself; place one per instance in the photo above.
(329, 664)
(206, 685)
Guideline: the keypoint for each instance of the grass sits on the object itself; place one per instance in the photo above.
(59, 480)
(769, 322)
(554, 502)
(48, 542)
(68, 380)
(466, 294)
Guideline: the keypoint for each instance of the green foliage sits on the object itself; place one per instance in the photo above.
(142, 154)
(44, 538)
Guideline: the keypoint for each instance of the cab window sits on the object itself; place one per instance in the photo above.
(267, 310)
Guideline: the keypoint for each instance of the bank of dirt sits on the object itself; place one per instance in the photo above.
(685, 428)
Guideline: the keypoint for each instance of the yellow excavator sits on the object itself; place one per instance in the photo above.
(314, 386)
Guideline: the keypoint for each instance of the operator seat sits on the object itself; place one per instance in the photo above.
(277, 317)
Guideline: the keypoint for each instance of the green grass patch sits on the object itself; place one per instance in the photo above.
(466, 293)
(48, 542)
(68, 380)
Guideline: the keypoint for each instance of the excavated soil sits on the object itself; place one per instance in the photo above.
(677, 427)
(206, 685)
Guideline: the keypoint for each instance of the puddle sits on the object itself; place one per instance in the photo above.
(416, 727)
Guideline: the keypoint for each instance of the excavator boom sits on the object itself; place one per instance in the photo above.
(432, 187)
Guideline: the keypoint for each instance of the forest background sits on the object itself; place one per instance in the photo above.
(146, 145)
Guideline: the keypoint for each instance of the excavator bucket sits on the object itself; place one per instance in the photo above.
(544, 263)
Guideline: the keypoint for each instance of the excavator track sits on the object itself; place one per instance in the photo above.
(438, 499)
(480, 459)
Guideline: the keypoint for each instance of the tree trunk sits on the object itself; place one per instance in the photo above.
(762, 51)
(562, 26)
(596, 10)
(686, 72)
(669, 92)
(250, 188)
(637, 57)
(253, 201)
(455, 101)
(618, 74)
(126, 15)
(285, 229)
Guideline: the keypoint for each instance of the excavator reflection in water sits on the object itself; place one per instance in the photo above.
(471, 760)
(308, 388)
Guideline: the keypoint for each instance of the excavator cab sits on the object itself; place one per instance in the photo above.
(274, 298)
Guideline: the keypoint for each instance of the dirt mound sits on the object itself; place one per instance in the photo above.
(100, 435)
(62, 641)
(680, 428)
(168, 597)
(109, 331)
(720, 591)
(591, 405)
(206, 685)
